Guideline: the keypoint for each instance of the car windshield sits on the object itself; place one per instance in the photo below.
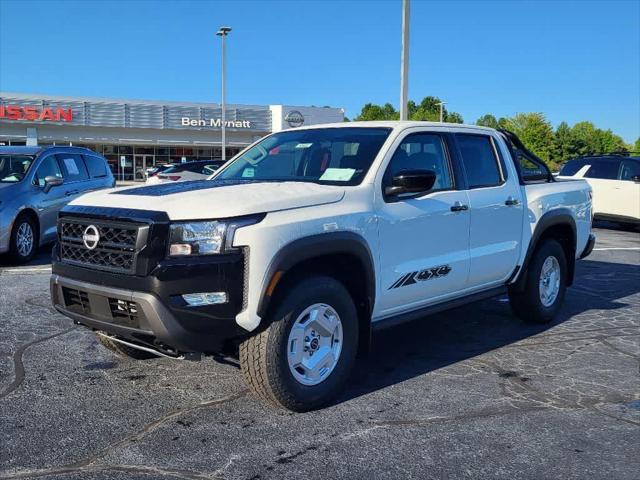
(334, 156)
(13, 168)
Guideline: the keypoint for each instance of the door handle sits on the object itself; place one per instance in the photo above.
(512, 201)
(71, 192)
(459, 207)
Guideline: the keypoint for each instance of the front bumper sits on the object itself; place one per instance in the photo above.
(149, 310)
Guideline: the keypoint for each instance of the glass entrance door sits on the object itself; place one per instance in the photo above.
(140, 164)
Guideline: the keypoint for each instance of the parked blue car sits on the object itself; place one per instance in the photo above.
(35, 183)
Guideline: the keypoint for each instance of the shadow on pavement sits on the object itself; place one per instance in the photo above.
(42, 258)
(434, 342)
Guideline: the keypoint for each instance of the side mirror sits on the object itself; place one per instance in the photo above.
(50, 182)
(411, 181)
(636, 178)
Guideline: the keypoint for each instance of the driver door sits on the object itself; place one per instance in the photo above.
(424, 240)
(48, 204)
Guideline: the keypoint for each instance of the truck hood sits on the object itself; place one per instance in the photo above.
(214, 198)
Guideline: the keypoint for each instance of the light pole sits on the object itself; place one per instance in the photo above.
(404, 61)
(222, 33)
(442, 104)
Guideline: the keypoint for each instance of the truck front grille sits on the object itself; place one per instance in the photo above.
(114, 250)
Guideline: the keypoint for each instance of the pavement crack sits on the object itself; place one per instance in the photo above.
(619, 350)
(18, 364)
(150, 427)
(89, 464)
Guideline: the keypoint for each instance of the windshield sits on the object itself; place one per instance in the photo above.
(13, 168)
(334, 156)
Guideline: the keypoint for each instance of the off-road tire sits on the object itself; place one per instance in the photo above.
(526, 304)
(263, 357)
(14, 254)
(124, 350)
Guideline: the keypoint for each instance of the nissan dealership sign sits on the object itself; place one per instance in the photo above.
(294, 119)
(36, 114)
(215, 123)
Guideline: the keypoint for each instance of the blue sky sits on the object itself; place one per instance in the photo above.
(572, 61)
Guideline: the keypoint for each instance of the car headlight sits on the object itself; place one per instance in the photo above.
(206, 237)
(197, 238)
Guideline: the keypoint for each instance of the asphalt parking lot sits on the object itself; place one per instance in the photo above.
(472, 393)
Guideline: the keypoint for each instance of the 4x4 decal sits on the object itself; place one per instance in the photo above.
(421, 276)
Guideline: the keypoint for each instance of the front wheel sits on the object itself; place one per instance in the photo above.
(24, 239)
(304, 357)
(545, 285)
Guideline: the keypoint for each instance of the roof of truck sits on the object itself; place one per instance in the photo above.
(398, 124)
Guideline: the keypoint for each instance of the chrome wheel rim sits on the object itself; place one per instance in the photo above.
(314, 344)
(549, 285)
(24, 239)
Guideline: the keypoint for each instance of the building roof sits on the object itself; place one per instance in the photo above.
(19, 150)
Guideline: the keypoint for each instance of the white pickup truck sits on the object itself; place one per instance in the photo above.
(311, 238)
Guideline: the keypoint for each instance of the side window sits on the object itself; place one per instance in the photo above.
(422, 151)
(604, 169)
(97, 166)
(73, 167)
(480, 161)
(572, 167)
(48, 168)
(629, 170)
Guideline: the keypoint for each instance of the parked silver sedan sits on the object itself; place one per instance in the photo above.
(35, 183)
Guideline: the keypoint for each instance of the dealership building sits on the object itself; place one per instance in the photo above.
(136, 134)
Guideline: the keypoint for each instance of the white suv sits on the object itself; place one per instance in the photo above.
(311, 238)
(615, 180)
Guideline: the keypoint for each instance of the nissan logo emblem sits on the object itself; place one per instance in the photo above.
(294, 118)
(90, 237)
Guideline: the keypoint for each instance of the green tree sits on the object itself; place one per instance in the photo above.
(427, 110)
(565, 145)
(372, 112)
(453, 117)
(536, 134)
(487, 120)
(636, 146)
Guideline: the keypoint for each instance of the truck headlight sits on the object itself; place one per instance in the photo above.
(197, 238)
(207, 237)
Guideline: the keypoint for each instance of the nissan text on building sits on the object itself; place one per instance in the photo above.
(136, 134)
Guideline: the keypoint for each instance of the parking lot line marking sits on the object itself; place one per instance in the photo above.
(25, 270)
(618, 248)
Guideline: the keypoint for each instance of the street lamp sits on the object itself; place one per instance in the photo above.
(404, 61)
(222, 33)
(442, 104)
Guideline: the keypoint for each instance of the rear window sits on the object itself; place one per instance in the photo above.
(97, 166)
(73, 167)
(605, 169)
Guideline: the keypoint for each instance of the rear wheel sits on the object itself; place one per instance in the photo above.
(24, 239)
(303, 358)
(124, 350)
(545, 285)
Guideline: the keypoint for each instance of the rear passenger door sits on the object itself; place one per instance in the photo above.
(99, 175)
(495, 208)
(602, 175)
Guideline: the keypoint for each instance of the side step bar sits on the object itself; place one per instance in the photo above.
(440, 307)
